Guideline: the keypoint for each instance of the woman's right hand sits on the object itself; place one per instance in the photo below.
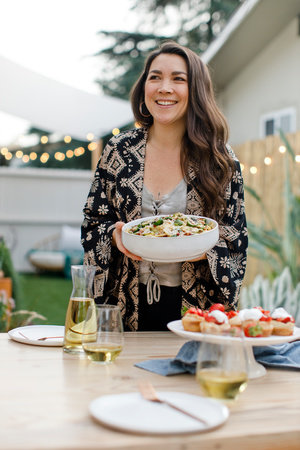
(117, 242)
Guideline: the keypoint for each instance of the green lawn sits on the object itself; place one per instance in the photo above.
(47, 295)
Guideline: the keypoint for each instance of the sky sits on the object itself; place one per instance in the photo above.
(56, 38)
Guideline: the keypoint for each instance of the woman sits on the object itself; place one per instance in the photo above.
(178, 161)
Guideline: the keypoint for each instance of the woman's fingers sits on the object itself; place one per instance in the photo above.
(117, 239)
(203, 256)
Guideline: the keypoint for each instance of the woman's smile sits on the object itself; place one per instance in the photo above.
(165, 102)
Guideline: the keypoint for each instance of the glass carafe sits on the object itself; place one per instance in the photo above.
(80, 300)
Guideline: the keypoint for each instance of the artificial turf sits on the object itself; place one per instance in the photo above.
(46, 294)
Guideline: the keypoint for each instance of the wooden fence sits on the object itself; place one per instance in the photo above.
(267, 177)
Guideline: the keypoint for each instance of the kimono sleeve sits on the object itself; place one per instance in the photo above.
(99, 220)
(227, 260)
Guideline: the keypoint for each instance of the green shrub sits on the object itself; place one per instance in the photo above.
(273, 294)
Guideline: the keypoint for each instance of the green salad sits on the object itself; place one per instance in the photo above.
(177, 224)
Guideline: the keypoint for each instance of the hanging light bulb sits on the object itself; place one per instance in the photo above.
(19, 154)
(90, 136)
(268, 161)
(44, 157)
(92, 146)
(59, 156)
(44, 139)
(8, 156)
(79, 151)
(69, 154)
(33, 156)
(253, 170)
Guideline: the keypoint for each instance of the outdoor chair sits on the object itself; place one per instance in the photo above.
(58, 252)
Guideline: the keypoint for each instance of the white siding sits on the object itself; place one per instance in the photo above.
(36, 203)
(270, 82)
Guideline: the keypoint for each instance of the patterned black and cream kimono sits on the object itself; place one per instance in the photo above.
(116, 195)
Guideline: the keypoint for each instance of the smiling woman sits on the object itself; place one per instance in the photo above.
(177, 161)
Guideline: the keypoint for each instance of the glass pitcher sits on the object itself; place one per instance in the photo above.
(80, 300)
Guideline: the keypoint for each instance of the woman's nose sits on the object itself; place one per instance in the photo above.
(165, 87)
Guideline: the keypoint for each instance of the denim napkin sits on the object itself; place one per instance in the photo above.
(282, 356)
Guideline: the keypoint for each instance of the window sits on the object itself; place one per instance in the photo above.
(284, 119)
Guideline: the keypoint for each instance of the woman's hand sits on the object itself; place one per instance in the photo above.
(117, 242)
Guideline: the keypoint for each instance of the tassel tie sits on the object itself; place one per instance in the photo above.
(153, 286)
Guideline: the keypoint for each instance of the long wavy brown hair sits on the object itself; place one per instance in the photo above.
(205, 138)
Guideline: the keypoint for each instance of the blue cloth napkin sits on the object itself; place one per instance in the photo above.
(281, 356)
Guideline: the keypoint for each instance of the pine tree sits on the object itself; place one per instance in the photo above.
(194, 23)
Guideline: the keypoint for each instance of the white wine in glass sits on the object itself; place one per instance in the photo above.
(103, 338)
(81, 299)
(75, 317)
(222, 369)
(105, 353)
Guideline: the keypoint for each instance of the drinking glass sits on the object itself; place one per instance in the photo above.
(80, 300)
(222, 368)
(103, 337)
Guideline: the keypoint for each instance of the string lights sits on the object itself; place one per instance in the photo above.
(77, 152)
(268, 161)
(45, 156)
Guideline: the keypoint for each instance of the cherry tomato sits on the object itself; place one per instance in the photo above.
(217, 306)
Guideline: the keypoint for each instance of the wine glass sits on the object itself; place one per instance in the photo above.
(103, 338)
(222, 367)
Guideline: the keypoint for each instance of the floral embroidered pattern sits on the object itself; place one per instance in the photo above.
(116, 195)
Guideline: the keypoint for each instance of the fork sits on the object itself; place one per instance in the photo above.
(42, 338)
(50, 337)
(149, 393)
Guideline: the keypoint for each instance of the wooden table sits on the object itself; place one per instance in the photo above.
(44, 398)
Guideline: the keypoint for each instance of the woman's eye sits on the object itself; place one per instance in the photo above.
(153, 77)
(179, 79)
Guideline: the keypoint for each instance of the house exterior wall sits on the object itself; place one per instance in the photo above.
(36, 203)
(268, 83)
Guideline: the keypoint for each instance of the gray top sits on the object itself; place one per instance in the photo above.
(156, 274)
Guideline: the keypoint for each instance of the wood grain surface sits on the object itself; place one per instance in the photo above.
(45, 394)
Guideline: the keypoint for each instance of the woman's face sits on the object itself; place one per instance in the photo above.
(166, 89)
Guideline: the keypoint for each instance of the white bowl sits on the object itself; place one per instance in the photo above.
(169, 249)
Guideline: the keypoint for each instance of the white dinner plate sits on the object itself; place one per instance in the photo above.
(131, 412)
(177, 328)
(34, 332)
